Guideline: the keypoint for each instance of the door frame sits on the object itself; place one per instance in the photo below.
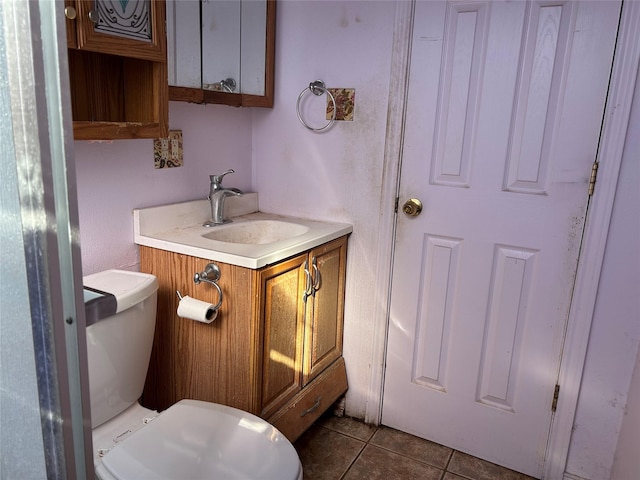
(610, 149)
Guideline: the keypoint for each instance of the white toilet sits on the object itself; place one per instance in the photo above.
(191, 440)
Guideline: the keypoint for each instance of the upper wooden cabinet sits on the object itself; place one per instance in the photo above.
(222, 52)
(118, 69)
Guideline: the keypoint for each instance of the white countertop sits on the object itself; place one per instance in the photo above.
(178, 228)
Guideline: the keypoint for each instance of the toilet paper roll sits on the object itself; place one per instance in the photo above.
(198, 310)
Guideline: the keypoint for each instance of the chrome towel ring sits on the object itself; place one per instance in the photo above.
(317, 88)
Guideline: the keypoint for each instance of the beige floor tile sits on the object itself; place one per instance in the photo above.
(348, 426)
(378, 464)
(451, 476)
(476, 469)
(412, 446)
(325, 454)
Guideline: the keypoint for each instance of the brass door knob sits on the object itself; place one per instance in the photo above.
(412, 207)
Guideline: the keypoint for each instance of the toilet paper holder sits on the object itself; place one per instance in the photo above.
(211, 274)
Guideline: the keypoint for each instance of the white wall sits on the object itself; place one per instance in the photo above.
(615, 332)
(116, 177)
(335, 175)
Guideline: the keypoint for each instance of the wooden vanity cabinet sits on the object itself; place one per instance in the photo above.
(275, 349)
(119, 86)
(214, 362)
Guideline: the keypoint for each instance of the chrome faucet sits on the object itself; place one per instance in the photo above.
(217, 195)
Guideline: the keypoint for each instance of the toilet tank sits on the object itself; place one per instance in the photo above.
(119, 338)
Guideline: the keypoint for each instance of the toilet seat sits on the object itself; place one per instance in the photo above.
(201, 440)
(116, 430)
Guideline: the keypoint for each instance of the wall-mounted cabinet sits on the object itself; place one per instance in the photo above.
(117, 68)
(222, 52)
(276, 347)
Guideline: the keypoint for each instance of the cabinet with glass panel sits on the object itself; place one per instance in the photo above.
(117, 68)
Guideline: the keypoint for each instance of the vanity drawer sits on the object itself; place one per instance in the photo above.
(307, 406)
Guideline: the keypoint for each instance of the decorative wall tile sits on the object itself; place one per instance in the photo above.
(345, 103)
(167, 152)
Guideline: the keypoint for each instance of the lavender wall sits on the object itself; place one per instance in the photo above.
(114, 178)
(335, 175)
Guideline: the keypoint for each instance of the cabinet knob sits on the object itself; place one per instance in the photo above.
(70, 13)
(93, 16)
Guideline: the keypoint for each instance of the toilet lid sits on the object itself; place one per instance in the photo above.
(202, 440)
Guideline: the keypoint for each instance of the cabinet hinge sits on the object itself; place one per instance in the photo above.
(592, 178)
(395, 208)
(556, 395)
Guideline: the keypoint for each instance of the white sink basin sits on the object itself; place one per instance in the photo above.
(257, 232)
(254, 239)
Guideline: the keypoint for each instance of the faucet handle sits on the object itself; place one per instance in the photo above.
(217, 179)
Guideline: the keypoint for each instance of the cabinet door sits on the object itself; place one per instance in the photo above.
(184, 49)
(133, 28)
(325, 308)
(282, 309)
(70, 14)
(221, 46)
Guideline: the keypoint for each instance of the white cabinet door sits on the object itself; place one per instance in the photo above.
(183, 43)
(221, 27)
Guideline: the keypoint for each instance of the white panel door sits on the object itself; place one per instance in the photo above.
(505, 105)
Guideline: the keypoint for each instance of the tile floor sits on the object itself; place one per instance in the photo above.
(341, 448)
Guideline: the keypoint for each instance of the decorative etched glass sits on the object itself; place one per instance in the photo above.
(124, 18)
